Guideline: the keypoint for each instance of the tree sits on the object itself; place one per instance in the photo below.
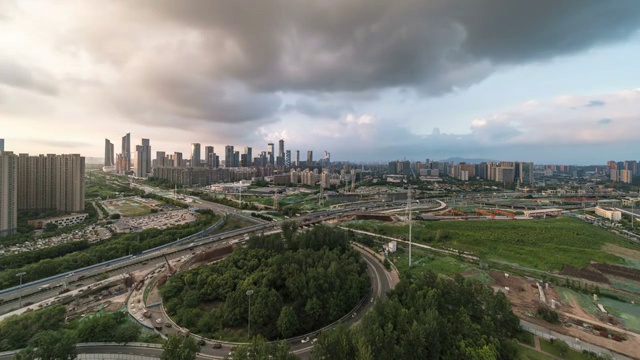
(563, 347)
(50, 345)
(179, 347)
(49, 227)
(287, 322)
(261, 349)
(289, 229)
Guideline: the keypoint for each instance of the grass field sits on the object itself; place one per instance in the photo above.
(546, 346)
(127, 207)
(530, 354)
(541, 244)
(423, 260)
(584, 301)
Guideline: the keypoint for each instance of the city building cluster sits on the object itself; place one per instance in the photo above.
(204, 167)
(39, 183)
(503, 171)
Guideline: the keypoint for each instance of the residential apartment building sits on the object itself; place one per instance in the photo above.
(8, 193)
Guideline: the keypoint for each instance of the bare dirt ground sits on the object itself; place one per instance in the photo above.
(622, 252)
(525, 300)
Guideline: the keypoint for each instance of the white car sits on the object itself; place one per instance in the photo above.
(305, 340)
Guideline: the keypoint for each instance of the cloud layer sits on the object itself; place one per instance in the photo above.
(237, 70)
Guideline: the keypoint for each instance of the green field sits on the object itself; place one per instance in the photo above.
(584, 301)
(423, 260)
(546, 346)
(128, 207)
(530, 354)
(540, 244)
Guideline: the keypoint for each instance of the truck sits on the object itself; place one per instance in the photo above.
(44, 287)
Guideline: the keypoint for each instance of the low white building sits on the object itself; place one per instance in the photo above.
(61, 221)
(608, 213)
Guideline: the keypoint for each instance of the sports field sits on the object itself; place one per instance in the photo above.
(127, 207)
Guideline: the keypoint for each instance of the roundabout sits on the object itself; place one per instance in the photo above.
(157, 319)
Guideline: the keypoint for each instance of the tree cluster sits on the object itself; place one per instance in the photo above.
(43, 334)
(118, 246)
(299, 283)
(429, 317)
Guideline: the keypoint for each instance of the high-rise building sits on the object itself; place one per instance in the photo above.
(248, 156)
(236, 159)
(123, 159)
(626, 176)
(228, 156)
(281, 147)
(161, 159)
(524, 172)
(51, 182)
(143, 159)
(1, 145)
(177, 159)
(195, 155)
(297, 157)
(108, 153)
(327, 157)
(309, 157)
(70, 185)
(8, 192)
(287, 159)
(270, 153)
(208, 156)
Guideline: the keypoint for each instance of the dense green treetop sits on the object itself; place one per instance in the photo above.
(429, 317)
(300, 284)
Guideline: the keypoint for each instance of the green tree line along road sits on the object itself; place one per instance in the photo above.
(119, 245)
(44, 334)
(300, 283)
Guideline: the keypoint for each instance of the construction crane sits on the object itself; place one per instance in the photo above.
(168, 265)
(486, 213)
(505, 213)
(455, 212)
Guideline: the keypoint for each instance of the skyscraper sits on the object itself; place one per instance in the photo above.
(1, 145)
(124, 166)
(297, 157)
(208, 157)
(177, 159)
(143, 159)
(8, 192)
(309, 157)
(287, 159)
(248, 152)
(270, 153)
(69, 184)
(161, 159)
(108, 153)
(195, 155)
(228, 156)
(281, 147)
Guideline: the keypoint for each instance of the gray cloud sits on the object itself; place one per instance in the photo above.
(361, 44)
(322, 109)
(61, 143)
(595, 103)
(605, 121)
(29, 78)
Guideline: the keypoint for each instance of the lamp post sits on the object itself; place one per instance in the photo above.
(20, 288)
(249, 293)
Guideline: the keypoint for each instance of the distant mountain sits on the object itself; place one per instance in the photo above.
(468, 161)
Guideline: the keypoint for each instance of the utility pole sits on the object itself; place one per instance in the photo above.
(409, 211)
(20, 288)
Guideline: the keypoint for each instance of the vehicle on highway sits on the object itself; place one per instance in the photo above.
(45, 286)
(354, 314)
(217, 345)
(70, 275)
(305, 340)
(167, 324)
(201, 342)
(314, 340)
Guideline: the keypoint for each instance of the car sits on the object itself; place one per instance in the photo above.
(314, 340)
(167, 324)
(70, 275)
(201, 342)
(158, 321)
(354, 314)
(305, 340)
(216, 345)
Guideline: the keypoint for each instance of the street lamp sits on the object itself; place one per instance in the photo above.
(249, 293)
(20, 288)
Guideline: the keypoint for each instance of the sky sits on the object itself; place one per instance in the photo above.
(546, 81)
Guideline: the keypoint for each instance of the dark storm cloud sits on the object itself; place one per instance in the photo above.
(356, 45)
(23, 77)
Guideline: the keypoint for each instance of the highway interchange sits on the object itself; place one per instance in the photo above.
(80, 280)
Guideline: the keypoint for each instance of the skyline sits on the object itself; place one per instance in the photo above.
(366, 81)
